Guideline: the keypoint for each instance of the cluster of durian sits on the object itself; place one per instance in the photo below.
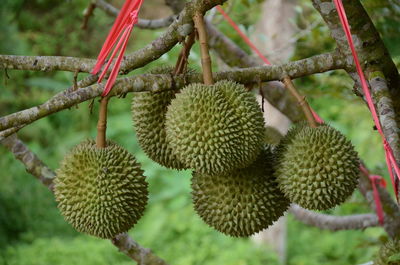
(389, 253)
(218, 132)
(240, 184)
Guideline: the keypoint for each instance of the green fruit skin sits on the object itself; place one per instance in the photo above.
(316, 168)
(100, 191)
(215, 129)
(148, 113)
(242, 202)
(387, 252)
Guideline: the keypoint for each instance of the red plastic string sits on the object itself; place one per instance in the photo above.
(373, 178)
(390, 160)
(244, 37)
(116, 49)
(316, 116)
(114, 33)
(113, 76)
(120, 32)
(379, 211)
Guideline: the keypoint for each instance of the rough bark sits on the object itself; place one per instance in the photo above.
(384, 78)
(334, 223)
(148, 82)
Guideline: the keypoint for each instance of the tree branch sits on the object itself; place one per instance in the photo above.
(227, 50)
(43, 173)
(142, 23)
(376, 63)
(136, 252)
(46, 63)
(334, 223)
(175, 5)
(4, 134)
(315, 64)
(177, 31)
(32, 163)
(87, 14)
(148, 82)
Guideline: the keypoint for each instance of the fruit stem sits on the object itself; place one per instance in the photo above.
(301, 100)
(102, 123)
(182, 61)
(205, 56)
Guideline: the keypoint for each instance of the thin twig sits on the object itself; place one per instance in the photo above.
(4, 134)
(182, 61)
(87, 14)
(301, 100)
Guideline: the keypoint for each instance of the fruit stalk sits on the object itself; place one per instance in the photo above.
(205, 55)
(102, 123)
(301, 100)
(181, 64)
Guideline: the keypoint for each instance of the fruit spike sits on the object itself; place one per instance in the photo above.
(389, 253)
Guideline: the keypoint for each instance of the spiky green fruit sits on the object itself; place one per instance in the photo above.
(316, 168)
(148, 112)
(100, 191)
(389, 254)
(215, 129)
(242, 202)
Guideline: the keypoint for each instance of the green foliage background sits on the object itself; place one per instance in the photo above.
(33, 232)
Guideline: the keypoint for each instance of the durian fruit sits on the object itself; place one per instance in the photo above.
(215, 129)
(316, 168)
(100, 191)
(272, 135)
(148, 112)
(242, 202)
(389, 254)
